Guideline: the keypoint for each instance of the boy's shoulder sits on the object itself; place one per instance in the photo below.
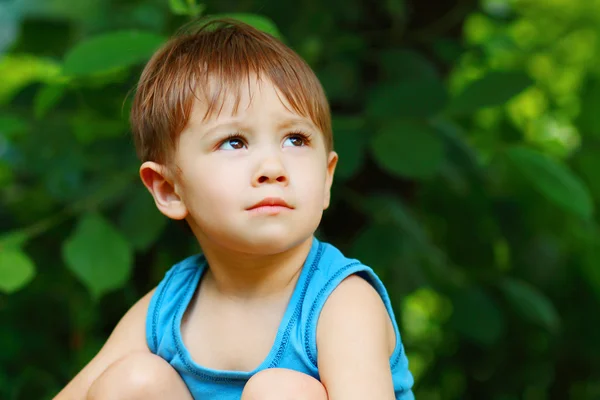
(333, 263)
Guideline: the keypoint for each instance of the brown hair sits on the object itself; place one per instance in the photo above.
(227, 52)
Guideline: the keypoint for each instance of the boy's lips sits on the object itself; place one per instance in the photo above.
(271, 202)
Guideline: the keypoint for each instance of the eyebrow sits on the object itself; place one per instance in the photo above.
(287, 123)
(294, 122)
(226, 125)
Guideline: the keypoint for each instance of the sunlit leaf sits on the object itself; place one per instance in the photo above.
(494, 89)
(408, 149)
(555, 181)
(179, 7)
(112, 50)
(98, 255)
(140, 220)
(417, 98)
(46, 98)
(186, 7)
(13, 240)
(16, 270)
(530, 303)
(19, 70)
(423, 313)
(477, 316)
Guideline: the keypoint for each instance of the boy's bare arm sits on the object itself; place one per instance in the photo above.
(129, 336)
(355, 339)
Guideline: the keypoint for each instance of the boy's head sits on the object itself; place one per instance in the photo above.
(227, 117)
(209, 64)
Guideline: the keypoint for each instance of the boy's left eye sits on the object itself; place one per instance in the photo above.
(296, 140)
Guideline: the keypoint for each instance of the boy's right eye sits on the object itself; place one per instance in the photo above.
(232, 143)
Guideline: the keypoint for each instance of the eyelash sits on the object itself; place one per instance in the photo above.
(306, 137)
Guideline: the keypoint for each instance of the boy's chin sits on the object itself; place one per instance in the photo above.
(272, 244)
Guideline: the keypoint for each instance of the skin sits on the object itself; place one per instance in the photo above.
(255, 258)
(216, 179)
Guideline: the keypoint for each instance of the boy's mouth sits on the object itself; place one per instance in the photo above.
(271, 202)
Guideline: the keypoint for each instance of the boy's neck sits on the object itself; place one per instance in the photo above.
(254, 277)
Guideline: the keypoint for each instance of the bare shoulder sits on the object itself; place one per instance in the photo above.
(356, 301)
(355, 338)
(129, 336)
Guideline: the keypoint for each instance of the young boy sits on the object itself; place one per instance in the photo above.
(234, 132)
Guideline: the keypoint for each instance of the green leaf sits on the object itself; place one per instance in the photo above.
(11, 126)
(587, 164)
(531, 304)
(409, 149)
(98, 255)
(349, 142)
(257, 21)
(555, 181)
(589, 118)
(179, 7)
(20, 70)
(494, 89)
(414, 99)
(186, 7)
(89, 127)
(111, 51)
(379, 245)
(478, 317)
(46, 98)
(385, 209)
(590, 243)
(16, 270)
(406, 65)
(140, 220)
(13, 240)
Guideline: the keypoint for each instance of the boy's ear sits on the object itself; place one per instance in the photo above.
(331, 164)
(163, 188)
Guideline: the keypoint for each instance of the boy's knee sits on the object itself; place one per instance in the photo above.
(138, 376)
(280, 383)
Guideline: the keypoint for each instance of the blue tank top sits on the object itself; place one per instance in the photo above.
(295, 344)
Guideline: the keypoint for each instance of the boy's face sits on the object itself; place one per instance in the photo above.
(230, 163)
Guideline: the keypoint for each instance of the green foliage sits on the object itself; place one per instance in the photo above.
(257, 21)
(475, 304)
(186, 7)
(531, 304)
(98, 254)
(494, 89)
(408, 148)
(469, 177)
(553, 180)
(16, 270)
(110, 51)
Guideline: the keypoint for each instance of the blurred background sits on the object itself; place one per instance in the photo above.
(469, 176)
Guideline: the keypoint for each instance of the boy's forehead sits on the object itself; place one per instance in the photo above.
(218, 102)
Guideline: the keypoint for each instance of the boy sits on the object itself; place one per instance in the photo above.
(234, 132)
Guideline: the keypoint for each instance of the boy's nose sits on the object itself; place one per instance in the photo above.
(271, 170)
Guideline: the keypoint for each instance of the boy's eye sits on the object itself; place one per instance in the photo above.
(233, 143)
(296, 140)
